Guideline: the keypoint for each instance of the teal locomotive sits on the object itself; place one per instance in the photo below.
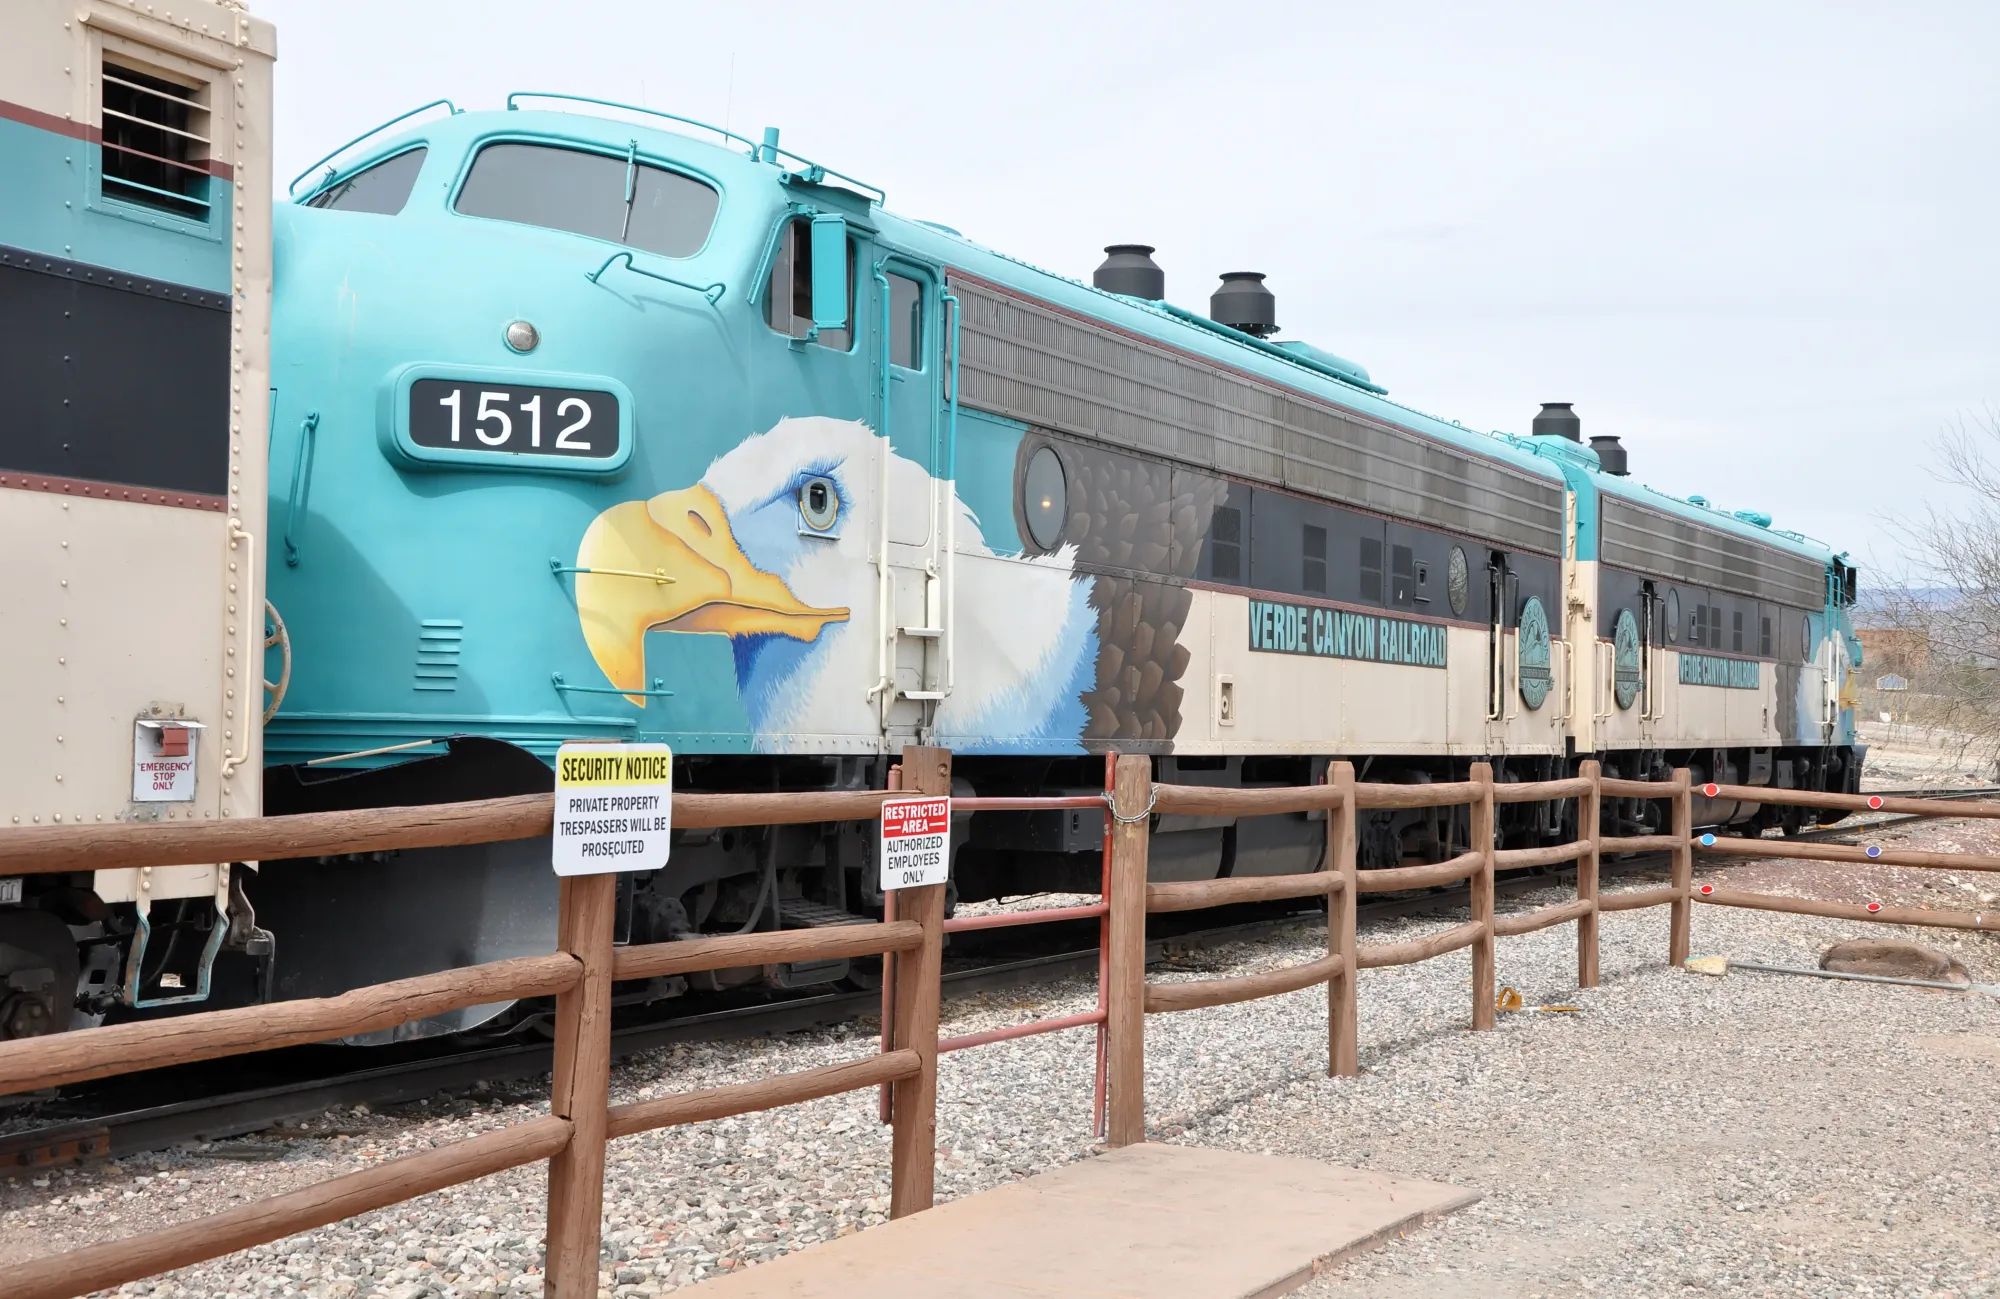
(593, 422)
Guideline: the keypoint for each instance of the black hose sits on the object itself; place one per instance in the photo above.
(769, 886)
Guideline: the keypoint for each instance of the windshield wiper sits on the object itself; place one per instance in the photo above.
(631, 187)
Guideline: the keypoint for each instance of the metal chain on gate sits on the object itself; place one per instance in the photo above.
(1111, 805)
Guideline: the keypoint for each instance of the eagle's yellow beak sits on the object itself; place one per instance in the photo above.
(672, 563)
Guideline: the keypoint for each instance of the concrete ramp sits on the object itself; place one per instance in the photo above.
(1145, 1221)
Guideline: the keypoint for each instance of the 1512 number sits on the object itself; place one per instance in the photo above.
(514, 421)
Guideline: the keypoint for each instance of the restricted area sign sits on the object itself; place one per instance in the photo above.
(916, 842)
(614, 807)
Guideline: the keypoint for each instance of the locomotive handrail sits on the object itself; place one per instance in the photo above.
(658, 691)
(712, 292)
(331, 174)
(724, 132)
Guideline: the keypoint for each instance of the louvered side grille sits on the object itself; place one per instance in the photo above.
(1660, 545)
(1031, 362)
(439, 643)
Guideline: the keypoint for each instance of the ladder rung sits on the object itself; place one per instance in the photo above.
(932, 632)
(921, 694)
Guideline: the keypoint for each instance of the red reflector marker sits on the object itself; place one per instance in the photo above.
(1874, 906)
(1711, 790)
(1708, 888)
(1875, 801)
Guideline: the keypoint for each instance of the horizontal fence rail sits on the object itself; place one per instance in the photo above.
(909, 939)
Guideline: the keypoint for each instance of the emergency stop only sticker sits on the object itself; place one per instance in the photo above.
(614, 807)
(916, 838)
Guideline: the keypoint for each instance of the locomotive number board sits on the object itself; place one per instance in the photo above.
(508, 419)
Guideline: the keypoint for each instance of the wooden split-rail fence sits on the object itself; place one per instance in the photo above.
(581, 973)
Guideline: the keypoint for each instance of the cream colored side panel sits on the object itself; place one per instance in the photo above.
(1297, 703)
(1466, 725)
(1716, 716)
(37, 70)
(114, 608)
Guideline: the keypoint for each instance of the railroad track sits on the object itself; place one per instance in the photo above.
(125, 1128)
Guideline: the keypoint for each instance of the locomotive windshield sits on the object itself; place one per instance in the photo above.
(599, 195)
(382, 189)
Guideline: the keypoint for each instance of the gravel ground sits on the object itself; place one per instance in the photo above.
(1745, 1136)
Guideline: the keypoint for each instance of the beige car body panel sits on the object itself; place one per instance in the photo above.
(123, 608)
(1294, 703)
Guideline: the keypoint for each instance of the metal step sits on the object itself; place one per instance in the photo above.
(796, 913)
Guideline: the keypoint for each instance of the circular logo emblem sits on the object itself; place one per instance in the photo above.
(1625, 659)
(1532, 652)
(1457, 581)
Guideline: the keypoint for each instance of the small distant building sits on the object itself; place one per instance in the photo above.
(1892, 682)
(1905, 648)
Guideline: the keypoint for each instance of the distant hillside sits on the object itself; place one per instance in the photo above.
(1874, 608)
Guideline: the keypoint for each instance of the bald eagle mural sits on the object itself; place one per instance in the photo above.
(798, 595)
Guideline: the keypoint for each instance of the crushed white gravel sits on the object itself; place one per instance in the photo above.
(1674, 1134)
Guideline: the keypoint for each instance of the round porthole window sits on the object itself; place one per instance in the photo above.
(1673, 615)
(1457, 581)
(819, 503)
(1045, 498)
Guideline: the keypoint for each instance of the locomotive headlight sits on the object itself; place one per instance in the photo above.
(819, 503)
(522, 336)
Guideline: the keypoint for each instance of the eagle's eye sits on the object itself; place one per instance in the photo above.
(819, 503)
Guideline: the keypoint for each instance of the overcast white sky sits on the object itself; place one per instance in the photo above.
(1757, 240)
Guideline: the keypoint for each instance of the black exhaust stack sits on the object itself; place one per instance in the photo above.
(1244, 303)
(1610, 454)
(1557, 420)
(1129, 269)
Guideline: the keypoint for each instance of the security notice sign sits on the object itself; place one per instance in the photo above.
(614, 807)
(916, 836)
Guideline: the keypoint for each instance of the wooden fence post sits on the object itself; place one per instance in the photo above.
(1589, 828)
(1342, 1029)
(1482, 898)
(1683, 903)
(913, 1100)
(1125, 1022)
(580, 1088)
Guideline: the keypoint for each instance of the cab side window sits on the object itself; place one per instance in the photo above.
(382, 189)
(906, 322)
(788, 298)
